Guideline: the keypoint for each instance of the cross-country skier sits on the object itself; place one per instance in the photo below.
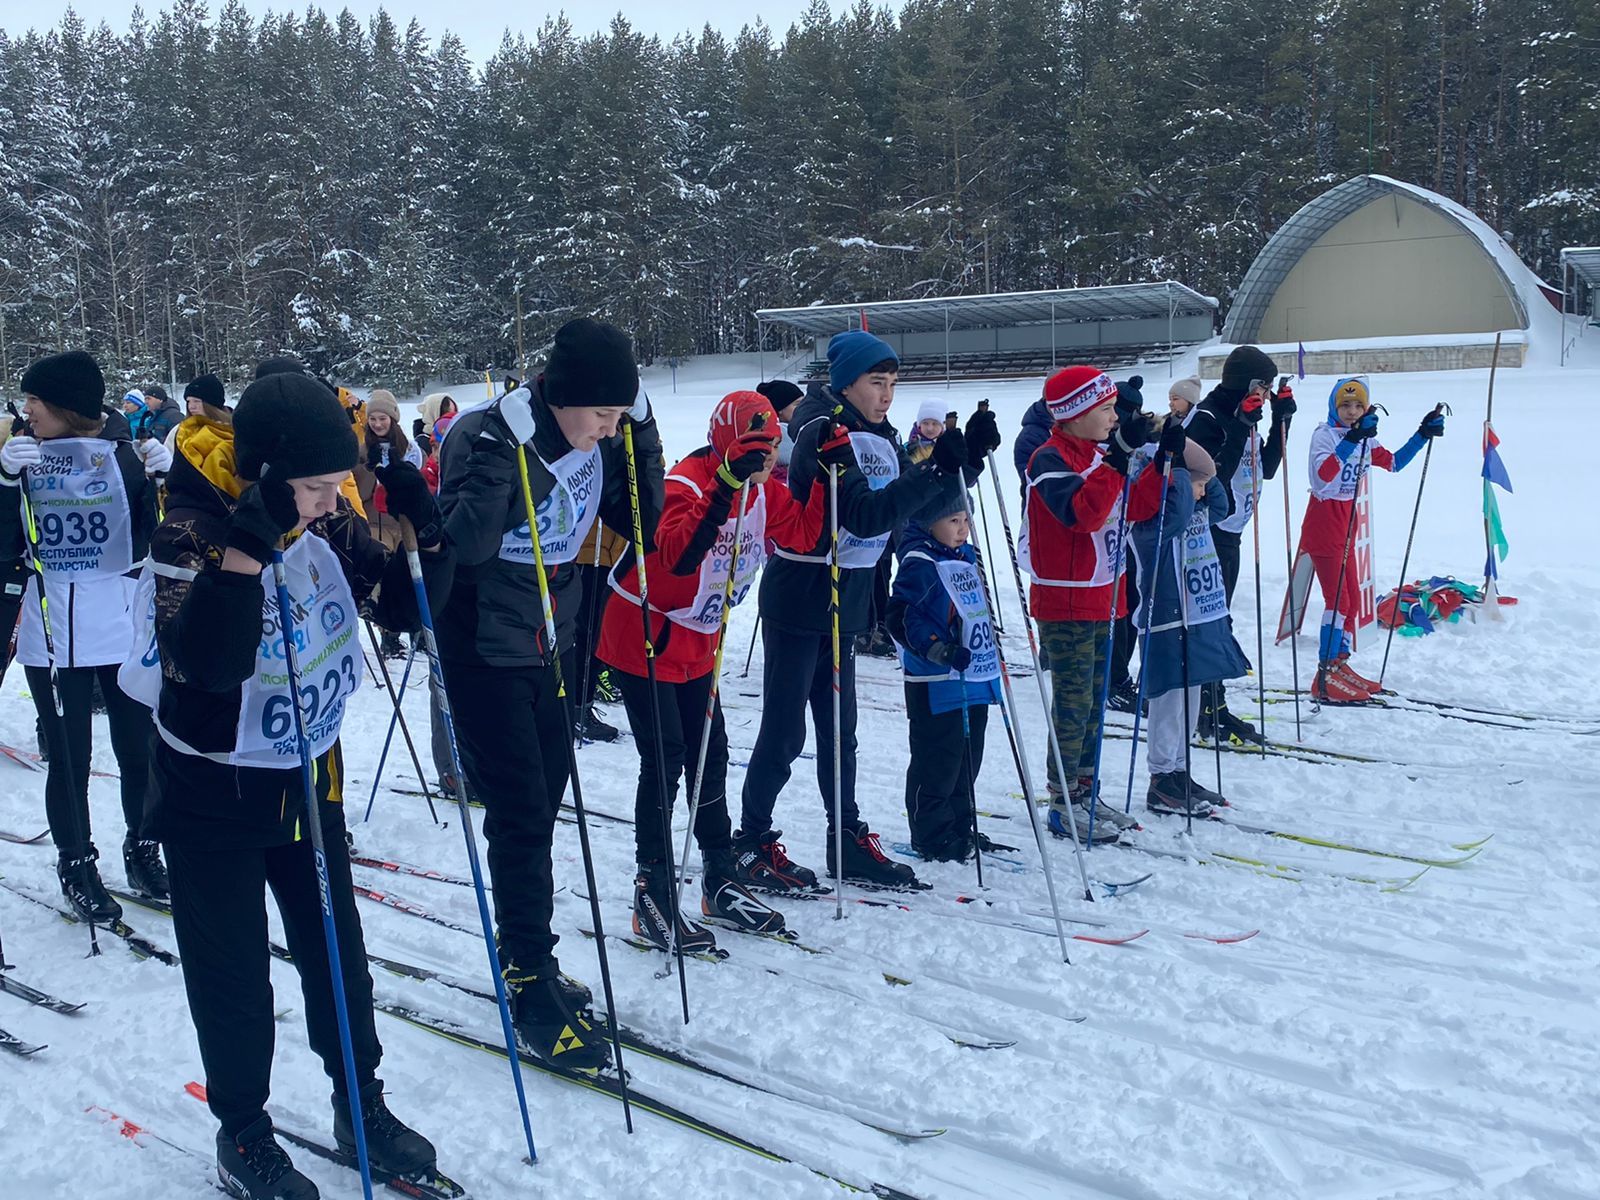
(844, 424)
(510, 723)
(228, 801)
(1341, 451)
(94, 510)
(687, 575)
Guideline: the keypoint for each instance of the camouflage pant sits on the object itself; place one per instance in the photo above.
(1075, 655)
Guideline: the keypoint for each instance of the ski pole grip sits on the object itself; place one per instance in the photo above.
(408, 536)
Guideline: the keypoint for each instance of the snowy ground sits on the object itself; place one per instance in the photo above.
(1440, 1041)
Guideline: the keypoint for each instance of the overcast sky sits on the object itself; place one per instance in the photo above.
(479, 23)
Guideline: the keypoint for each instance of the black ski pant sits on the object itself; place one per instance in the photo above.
(943, 770)
(219, 913)
(67, 806)
(579, 667)
(1228, 544)
(683, 717)
(513, 736)
(797, 670)
(1125, 638)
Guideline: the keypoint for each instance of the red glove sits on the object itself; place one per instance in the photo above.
(834, 449)
(746, 457)
(1251, 409)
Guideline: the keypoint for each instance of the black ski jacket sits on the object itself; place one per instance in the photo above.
(1216, 428)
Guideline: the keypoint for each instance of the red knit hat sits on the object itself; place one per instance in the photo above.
(740, 413)
(1073, 391)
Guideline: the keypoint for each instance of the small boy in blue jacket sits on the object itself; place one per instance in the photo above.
(940, 621)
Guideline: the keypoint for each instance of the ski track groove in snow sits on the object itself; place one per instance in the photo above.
(1437, 1042)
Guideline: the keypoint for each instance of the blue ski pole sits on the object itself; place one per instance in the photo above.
(1149, 613)
(320, 854)
(388, 738)
(408, 540)
(1111, 644)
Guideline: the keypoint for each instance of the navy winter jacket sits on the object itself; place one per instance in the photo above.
(921, 614)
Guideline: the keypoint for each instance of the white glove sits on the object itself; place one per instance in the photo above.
(640, 412)
(516, 410)
(156, 457)
(21, 451)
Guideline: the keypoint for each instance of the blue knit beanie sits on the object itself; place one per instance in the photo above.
(852, 354)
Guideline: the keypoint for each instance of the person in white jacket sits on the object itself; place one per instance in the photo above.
(78, 508)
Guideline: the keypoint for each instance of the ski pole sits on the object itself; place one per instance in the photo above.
(388, 738)
(577, 783)
(838, 760)
(1405, 562)
(1153, 581)
(966, 766)
(1049, 715)
(711, 704)
(405, 730)
(1288, 558)
(1183, 640)
(751, 653)
(988, 544)
(663, 795)
(1111, 640)
(1261, 642)
(430, 645)
(330, 935)
(30, 529)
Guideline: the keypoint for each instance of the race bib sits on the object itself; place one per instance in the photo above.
(704, 612)
(81, 509)
(879, 461)
(965, 587)
(564, 516)
(1195, 559)
(1243, 487)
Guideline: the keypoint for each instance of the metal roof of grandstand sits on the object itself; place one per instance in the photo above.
(1117, 302)
(1585, 260)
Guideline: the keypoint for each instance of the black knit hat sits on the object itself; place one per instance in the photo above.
(280, 364)
(157, 393)
(591, 366)
(71, 381)
(781, 392)
(292, 424)
(950, 499)
(208, 390)
(1130, 396)
(1246, 364)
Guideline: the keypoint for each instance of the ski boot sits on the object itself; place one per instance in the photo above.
(606, 690)
(1235, 729)
(1342, 665)
(761, 865)
(1176, 794)
(725, 901)
(652, 914)
(1103, 812)
(1124, 698)
(548, 1025)
(83, 889)
(1332, 687)
(390, 645)
(865, 862)
(392, 1145)
(141, 859)
(590, 728)
(252, 1166)
(1059, 824)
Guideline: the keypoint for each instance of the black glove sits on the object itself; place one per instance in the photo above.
(950, 453)
(1365, 428)
(406, 494)
(1432, 425)
(1128, 436)
(265, 512)
(983, 437)
(834, 450)
(949, 654)
(1283, 405)
(1251, 409)
(745, 457)
(1173, 439)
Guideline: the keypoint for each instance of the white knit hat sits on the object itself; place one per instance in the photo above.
(1187, 390)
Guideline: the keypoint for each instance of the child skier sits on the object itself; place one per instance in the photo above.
(1191, 647)
(228, 802)
(1072, 523)
(93, 502)
(1341, 451)
(845, 425)
(940, 620)
(511, 723)
(687, 575)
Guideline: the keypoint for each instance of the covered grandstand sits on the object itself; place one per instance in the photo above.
(1012, 333)
(1580, 281)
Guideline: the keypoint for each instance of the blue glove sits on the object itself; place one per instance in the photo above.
(1365, 428)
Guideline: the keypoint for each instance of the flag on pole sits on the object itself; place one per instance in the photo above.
(864, 328)
(1494, 474)
(1300, 365)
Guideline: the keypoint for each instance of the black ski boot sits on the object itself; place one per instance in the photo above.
(147, 876)
(761, 864)
(1124, 698)
(391, 1144)
(1166, 796)
(726, 901)
(81, 885)
(253, 1166)
(548, 1025)
(590, 728)
(652, 913)
(606, 690)
(1235, 729)
(390, 645)
(865, 862)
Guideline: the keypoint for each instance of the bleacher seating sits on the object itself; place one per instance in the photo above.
(1012, 364)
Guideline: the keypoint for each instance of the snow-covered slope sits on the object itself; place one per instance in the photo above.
(1436, 1041)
